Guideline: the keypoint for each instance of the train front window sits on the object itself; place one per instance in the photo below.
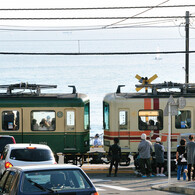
(123, 119)
(150, 120)
(183, 119)
(106, 113)
(43, 120)
(86, 117)
(10, 120)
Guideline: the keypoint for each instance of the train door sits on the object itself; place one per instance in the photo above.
(123, 129)
(11, 123)
(70, 129)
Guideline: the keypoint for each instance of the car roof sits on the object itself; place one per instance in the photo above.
(6, 136)
(18, 146)
(44, 167)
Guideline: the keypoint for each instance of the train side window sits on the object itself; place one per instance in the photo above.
(123, 119)
(150, 120)
(86, 117)
(106, 116)
(70, 118)
(183, 119)
(10, 120)
(43, 120)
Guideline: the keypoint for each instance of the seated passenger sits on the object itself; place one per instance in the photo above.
(159, 123)
(34, 125)
(142, 124)
(151, 125)
(52, 126)
(43, 125)
(151, 122)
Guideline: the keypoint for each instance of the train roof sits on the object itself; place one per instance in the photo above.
(24, 94)
(34, 90)
(158, 90)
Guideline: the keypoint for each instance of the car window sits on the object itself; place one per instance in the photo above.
(31, 154)
(2, 181)
(9, 181)
(55, 180)
(4, 141)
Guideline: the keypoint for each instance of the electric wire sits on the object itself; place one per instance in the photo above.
(136, 14)
(91, 40)
(93, 8)
(94, 53)
(94, 18)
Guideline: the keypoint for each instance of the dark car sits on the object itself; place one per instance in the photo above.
(4, 140)
(46, 179)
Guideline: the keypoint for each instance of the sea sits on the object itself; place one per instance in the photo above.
(95, 75)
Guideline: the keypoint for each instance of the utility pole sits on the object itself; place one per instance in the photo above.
(187, 48)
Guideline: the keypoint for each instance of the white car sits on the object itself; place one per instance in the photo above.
(25, 154)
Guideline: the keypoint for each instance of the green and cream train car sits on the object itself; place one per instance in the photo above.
(128, 115)
(61, 121)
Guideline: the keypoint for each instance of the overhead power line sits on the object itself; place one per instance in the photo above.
(94, 18)
(94, 53)
(92, 40)
(92, 8)
(146, 10)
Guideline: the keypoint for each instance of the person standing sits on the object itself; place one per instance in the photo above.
(181, 159)
(97, 141)
(190, 150)
(159, 155)
(115, 154)
(145, 150)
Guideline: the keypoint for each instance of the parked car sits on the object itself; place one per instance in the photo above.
(46, 179)
(25, 154)
(4, 140)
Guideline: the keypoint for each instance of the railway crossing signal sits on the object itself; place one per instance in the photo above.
(144, 81)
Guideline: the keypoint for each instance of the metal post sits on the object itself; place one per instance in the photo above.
(169, 143)
(187, 47)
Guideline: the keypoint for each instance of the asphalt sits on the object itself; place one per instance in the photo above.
(183, 187)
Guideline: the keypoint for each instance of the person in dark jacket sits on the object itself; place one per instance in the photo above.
(181, 159)
(159, 155)
(115, 155)
(190, 150)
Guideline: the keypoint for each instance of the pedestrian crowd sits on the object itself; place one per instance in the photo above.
(185, 157)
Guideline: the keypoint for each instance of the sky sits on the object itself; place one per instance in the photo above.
(144, 12)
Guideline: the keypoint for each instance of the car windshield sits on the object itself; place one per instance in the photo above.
(54, 180)
(31, 155)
